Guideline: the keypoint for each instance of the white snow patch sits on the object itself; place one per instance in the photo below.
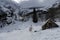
(25, 34)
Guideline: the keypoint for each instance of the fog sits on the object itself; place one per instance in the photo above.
(38, 3)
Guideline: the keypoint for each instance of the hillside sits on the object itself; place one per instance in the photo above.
(20, 31)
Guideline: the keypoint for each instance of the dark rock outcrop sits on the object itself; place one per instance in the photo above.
(49, 24)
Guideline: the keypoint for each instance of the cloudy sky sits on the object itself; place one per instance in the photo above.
(30, 3)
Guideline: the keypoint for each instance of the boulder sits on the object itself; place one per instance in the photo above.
(49, 24)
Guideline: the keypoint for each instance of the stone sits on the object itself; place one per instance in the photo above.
(49, 24)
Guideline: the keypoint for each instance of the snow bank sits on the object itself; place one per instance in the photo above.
(20, 31)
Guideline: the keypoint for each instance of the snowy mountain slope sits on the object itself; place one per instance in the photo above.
(26, 35)
(19, 25)
(4, 4)
(20, 31)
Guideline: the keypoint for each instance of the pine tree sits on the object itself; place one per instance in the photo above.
(35, 18)
(51, 13)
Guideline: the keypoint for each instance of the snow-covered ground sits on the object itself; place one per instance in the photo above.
(20, 31)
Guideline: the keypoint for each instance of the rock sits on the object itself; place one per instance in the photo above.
(49, 24)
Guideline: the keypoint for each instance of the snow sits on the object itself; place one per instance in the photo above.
(20, 31)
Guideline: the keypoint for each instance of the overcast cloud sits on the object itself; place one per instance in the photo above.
(36, 3)
(30, 3)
